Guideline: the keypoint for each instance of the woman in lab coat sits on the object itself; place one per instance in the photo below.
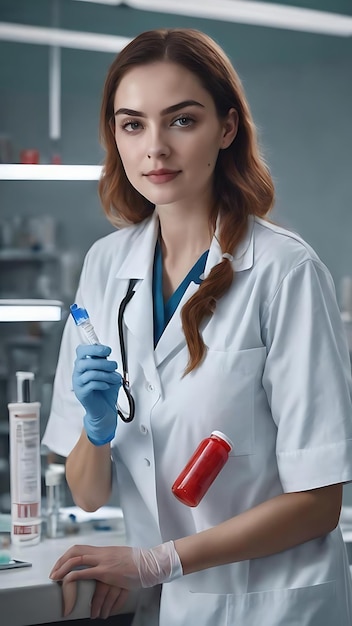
(233, 326)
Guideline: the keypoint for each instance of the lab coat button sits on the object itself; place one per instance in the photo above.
(143, 429)
(150, 387)
(147, 462)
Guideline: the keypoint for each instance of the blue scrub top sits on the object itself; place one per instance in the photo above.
(163, 311)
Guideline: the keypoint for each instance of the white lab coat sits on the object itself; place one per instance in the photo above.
(276, 380)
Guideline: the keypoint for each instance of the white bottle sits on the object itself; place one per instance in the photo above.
(25, 473)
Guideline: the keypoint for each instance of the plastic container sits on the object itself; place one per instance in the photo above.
(25, 474)
(202, 468)
(5, 554)
(54, 482)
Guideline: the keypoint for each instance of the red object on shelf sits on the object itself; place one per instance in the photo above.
(202, 468)
(29, 156)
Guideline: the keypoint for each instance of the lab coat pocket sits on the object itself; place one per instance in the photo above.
(316, 605)
(230, 407)
(307, 606)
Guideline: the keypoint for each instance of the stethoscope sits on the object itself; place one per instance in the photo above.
(125, 378)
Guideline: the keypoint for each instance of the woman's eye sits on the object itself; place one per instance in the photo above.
(131, 126)
(183, 121)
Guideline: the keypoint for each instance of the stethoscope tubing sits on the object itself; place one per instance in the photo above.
(125, 379)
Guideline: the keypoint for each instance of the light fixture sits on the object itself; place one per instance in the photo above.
(21, 310)
(23, 33)
(111, 2)
(15, 171)
(239, 11)
(249, 12)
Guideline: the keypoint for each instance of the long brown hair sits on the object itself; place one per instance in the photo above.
(242, 182)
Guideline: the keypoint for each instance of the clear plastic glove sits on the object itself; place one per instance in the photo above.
(96, 385)
(157, 565)
(121, 567)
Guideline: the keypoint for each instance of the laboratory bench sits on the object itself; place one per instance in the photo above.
(29, 598)
(27, 595)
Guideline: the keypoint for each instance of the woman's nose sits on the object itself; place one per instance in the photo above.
(157, 146)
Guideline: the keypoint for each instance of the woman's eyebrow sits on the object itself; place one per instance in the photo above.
(170, 109)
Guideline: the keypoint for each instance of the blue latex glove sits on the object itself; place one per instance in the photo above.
(96, 385)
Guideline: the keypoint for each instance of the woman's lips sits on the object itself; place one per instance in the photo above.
(161, 176)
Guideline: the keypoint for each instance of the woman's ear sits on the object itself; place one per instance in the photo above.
(230, 127)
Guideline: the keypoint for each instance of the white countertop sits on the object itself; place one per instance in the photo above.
(28, 596)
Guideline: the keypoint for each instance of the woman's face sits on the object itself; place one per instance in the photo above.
(168, 134)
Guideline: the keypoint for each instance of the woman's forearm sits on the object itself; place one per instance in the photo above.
(89, 474)
(273, 526)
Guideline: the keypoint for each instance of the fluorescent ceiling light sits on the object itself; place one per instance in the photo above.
(238, 11)
(30, 310)
(111, 2)
(21, 33)
(14, 171)
(248, 12)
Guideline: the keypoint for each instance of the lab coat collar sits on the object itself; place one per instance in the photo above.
(140, 258)
(138, 316)
(173, 337)
(137, 265)
(139, 312)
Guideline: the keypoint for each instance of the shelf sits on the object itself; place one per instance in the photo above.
(24, 254)
(18, 171)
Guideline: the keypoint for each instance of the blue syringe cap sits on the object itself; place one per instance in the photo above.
(79, 315)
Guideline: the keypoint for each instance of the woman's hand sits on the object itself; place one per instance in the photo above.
(112, 565)
(96, 385)
(118, 569)
(107, 599)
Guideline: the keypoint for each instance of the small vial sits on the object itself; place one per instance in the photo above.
(5, 554)
(82, 320)
(202, 468)
(54, 476)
